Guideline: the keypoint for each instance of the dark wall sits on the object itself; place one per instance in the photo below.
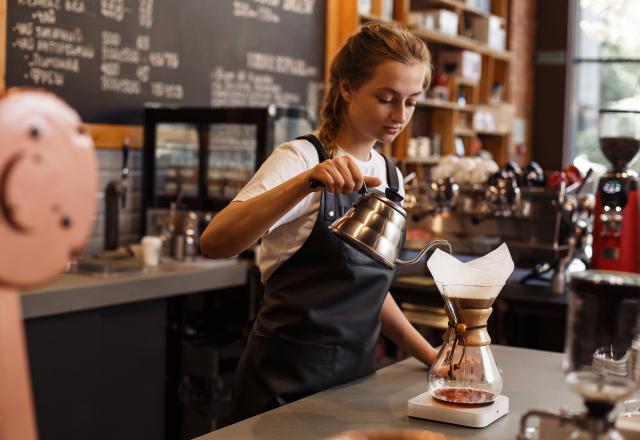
(108, 60)
(100, 374)
(550, 82)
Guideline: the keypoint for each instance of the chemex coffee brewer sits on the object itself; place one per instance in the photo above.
(464, 382)
(616, 229)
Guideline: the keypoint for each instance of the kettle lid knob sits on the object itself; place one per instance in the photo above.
(393, 195)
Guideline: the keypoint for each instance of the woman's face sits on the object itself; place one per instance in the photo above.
(381, 107)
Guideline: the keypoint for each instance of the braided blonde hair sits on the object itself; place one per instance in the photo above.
(356, 61)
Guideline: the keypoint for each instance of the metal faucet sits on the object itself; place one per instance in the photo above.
(576, 212)
(115, 192)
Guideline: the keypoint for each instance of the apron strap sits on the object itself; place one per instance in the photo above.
(322, 154)
(392, 174)
(330, 213)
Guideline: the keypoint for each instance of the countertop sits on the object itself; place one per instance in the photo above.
(72, 292)
(532, 379)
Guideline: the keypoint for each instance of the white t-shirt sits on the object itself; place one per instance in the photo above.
(290, 232)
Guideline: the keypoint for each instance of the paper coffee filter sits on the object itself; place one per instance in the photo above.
(479, 278)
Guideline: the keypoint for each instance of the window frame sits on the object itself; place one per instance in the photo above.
(573, 62)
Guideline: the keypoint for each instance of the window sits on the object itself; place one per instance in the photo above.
(605, 69)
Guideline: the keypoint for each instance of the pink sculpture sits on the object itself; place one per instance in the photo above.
(48, 183)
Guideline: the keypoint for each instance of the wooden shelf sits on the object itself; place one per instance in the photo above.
(367, 17)
(491, 133)
(439, 103)
(463, 6)
(460, 42)
(449, 120)
(466, 132)
(467, 82)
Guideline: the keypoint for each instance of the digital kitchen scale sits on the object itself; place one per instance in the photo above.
(424, 406)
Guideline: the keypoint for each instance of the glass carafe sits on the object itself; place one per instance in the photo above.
(465, 372)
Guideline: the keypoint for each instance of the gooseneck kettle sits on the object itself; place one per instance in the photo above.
(375, 226)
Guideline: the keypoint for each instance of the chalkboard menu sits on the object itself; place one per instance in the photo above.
(110, 58)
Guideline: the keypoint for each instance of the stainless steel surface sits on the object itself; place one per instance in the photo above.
(444, 193)
(443, 196)
(531, 379)
(179, 247)
(75, 292)
(178, 230)
(531, 239)
(190, 246)
(575, 221)
(504, 198)
(374, 225)
(115, 194)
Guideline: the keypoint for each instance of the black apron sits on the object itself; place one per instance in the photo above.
(320, 317)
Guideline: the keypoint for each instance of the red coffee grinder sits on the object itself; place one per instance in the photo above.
(616, 229)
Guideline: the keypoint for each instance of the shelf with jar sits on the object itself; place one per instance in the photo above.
(478, 25)
(456, 32)
(468, 104)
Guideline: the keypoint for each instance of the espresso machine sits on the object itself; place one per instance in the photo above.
(616, 229)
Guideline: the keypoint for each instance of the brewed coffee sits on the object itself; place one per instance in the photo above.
(464, 396)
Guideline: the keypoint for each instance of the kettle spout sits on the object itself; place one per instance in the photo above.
(428, 246)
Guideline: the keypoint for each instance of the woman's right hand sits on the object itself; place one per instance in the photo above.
(339, 175)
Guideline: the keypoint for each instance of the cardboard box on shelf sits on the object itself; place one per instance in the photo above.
(441, 20)
(468, 64)
(489, 30)
(494, 119)
(497, 37)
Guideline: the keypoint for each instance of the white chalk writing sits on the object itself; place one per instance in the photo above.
(164, 59)
(120, 85)
(113, 9)
(163, 90)
(280, 64)
(145, 13)
(45, 4)
(76, 6)
(299, 6)
(43, 77)
(57, 63)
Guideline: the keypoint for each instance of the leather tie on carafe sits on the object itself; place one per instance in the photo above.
(461, 333)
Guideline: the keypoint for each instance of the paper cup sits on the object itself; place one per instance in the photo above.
(151, 246)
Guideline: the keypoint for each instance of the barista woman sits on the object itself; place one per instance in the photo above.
(324, 302)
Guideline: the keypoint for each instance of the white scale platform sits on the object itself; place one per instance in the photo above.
(424, 406)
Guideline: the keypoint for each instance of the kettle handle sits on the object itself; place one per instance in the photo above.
(428, 246)
(315, 183)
